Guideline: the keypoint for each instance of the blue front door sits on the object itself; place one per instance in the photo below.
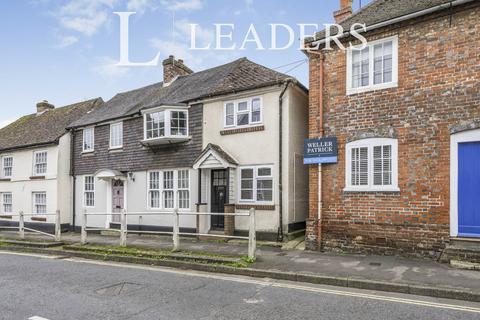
(469, 189)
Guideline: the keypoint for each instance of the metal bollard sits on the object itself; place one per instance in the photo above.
(58, 226)
(176, 231)
(21, 225)
(123, 229)
(252, 236)
(83, 234)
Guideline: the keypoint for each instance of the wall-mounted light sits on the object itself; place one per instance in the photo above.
(131, 176)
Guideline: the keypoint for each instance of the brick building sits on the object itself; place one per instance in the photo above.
(406, 113)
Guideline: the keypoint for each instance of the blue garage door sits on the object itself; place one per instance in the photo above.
(469, 189)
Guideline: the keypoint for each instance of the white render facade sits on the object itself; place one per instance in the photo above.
(39, 183)
(253, 146)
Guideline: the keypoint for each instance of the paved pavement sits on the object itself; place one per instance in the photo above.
(371, 267)
(55, 289)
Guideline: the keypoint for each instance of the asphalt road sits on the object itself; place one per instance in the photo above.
(37, 288)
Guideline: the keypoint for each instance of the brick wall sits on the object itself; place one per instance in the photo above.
(136, 157)
(439, 72)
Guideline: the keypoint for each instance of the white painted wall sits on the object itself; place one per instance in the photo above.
(136, 192)
(261, 148)
(56, 184)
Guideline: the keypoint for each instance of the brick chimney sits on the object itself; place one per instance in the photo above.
(44, 106)
(173, 68)
(345, 11)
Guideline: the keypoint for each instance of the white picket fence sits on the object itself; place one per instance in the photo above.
(21, 224)
(123, 231)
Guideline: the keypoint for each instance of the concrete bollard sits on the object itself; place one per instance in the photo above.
(21, 225)
(176, 230)
(123, 229)
(58, 226)
(83, 234)
(252, 236)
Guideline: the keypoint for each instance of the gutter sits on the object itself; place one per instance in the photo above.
(280, 159)
(320, 68)
(417, 14)
(74, 178)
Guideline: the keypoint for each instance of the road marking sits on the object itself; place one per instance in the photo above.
(268, 283)
(274, 284)
(43, 256)
(37, 318)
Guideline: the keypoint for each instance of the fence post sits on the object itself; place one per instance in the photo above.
(21, 225)
(83, 234)
(123, 228)
(58, 226)
(252, 237)
(176, 230)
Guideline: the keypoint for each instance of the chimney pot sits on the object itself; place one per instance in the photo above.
(345, 11)
(174, 68)
(44, 106)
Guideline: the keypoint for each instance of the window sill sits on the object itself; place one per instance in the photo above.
(117, 149)
(37, 178)
(39, 219)
(363, 190)
(352, 91)
(86, 153)
(227, 131)
(262, 207)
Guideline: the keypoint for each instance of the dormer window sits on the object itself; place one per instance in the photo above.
(164, 125)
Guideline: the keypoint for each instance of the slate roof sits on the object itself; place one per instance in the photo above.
(46, 128)
(239, 75)
(384, 10)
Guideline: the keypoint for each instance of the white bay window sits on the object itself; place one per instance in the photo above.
(373, 67)
(166, 125)
(372, 165)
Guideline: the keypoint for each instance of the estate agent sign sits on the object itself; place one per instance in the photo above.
(324, 150)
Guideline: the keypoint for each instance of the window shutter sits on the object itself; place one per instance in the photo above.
(360, 166)
(382, 165)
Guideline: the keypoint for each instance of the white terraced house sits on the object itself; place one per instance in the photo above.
(228, 138)
(35, 165)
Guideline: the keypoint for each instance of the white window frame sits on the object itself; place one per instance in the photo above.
(35, 172)
(372, 86)
(85, 130)
(256, 177)
(167, 117)
(370, 143)
(85, 191)
(112, 126)
(34, 203)
(175, 189)
(3, 175)
(2, 200)
(236, 112)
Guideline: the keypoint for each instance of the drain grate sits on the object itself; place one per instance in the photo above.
(375, 264)
(118, 289)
